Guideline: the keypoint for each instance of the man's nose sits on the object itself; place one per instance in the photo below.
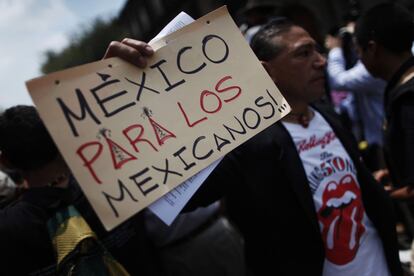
(320, 60)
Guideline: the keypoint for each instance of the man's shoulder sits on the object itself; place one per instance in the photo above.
(17, 216)
(405, 89)
(401, 85)
(325, 109)
(30, 211)
(22, 233)
(264, 140)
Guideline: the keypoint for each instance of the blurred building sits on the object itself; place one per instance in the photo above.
(145, 18)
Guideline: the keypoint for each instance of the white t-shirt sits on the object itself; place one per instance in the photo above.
(352, 245)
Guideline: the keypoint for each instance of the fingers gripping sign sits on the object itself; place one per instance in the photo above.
(131, 50)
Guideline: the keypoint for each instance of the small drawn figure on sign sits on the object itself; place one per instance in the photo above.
(161, 132)
(119, 155)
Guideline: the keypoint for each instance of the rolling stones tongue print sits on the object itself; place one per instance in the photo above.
(341, 217)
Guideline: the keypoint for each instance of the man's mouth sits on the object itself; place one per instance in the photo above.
(318, 79)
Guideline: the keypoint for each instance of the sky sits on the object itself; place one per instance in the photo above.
(31, 27)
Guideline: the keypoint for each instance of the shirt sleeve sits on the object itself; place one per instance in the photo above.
(355, 79)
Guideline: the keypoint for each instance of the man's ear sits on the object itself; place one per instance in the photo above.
(372, 48)
(269, 70)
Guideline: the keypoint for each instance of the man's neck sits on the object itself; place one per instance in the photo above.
(299, 108)
(301, 114)
(393, 63)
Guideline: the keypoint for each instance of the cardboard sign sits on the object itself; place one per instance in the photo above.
(129, 140)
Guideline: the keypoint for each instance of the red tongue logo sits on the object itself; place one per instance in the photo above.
(341, 216)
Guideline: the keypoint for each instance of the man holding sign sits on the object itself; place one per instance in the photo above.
(128, 140)
(303, 175)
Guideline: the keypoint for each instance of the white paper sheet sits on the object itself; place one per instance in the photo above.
(177, 23)
(169, 206)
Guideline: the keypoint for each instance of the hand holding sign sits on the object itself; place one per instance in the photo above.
(131, 50)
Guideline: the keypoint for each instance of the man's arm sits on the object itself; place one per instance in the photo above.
(355, 79)
(225, 179)
(406, 117)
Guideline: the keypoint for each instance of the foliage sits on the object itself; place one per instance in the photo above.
(86, 46)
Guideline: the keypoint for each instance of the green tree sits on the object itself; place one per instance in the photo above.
(86, 46)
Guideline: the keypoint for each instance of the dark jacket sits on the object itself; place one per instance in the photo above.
(269, 199)
(399, 127)
(26, 248)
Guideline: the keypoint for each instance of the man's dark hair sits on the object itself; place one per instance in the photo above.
(262, 44)
(24, 140)
(388, 24)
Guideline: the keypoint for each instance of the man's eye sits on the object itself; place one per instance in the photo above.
(304, 53)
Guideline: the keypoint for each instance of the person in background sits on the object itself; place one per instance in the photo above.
(367, 93)
(385, 50)
(257, 13)
(26, 247)
(384, 36)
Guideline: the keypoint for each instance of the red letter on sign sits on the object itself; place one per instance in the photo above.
(206, 93)
(88, 162)
(118, 154)
(138, 138)
(221, 90)
(186, 118)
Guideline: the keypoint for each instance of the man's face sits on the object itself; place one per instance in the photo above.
(298, 70)
(368, 58)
